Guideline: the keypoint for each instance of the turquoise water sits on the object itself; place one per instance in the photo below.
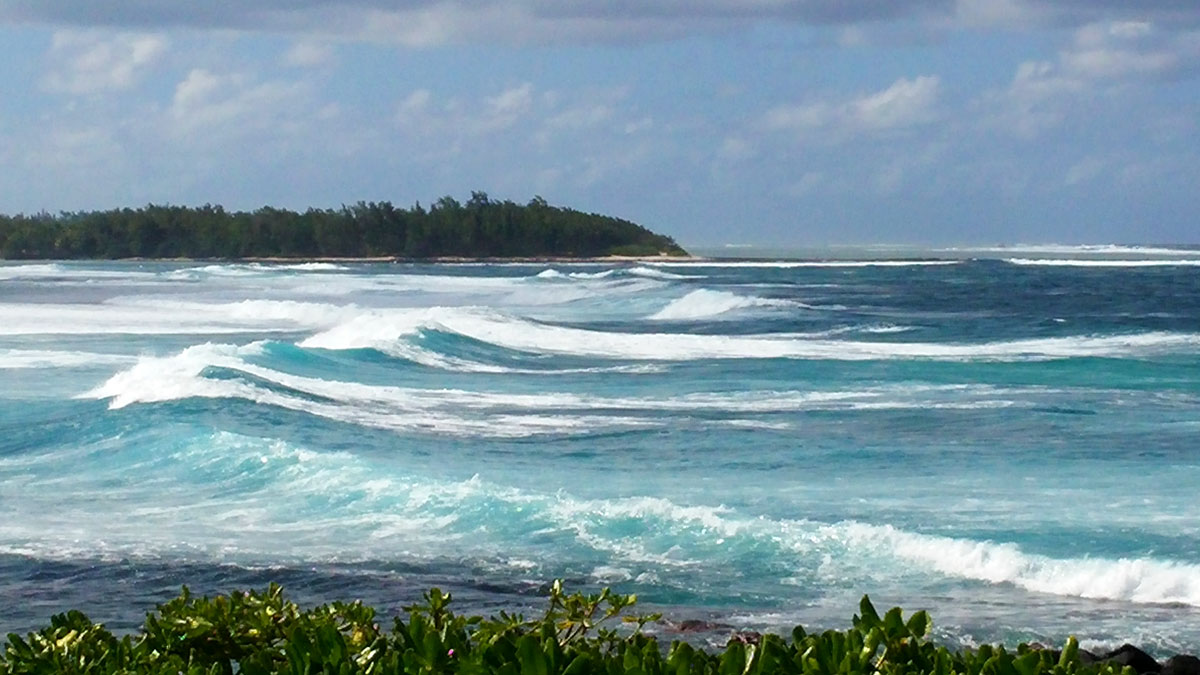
(1010, 439)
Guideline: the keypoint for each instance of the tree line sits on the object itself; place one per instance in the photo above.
(479, 228)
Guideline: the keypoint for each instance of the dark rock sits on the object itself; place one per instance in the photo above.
(697, 626)
(1181, 664)
(1039, 647)
(1086, 657)
(1128, 655)
(748, 637)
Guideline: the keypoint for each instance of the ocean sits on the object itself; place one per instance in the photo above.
(1006, 437)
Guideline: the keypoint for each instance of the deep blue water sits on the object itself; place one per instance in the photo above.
(1014, 446)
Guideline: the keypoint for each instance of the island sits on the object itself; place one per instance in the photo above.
(481, 228)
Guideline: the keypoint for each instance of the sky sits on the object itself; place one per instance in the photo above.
(765, 122)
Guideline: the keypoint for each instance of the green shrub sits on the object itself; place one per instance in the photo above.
(259, 633)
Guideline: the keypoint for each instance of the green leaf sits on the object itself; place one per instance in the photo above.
(893, 624)
(679, 659)
(332, 645)
(1028, 664)
(1070, 653)
(530, 656)
(919, 624)
(631, 660)
(869, 616)
(578, 665)
(733, 661)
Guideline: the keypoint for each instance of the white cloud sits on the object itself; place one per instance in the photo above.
(736, 148)
(504, 109)
(1117, 63)
(562, 138)
(1117, 50)
(421, 23)
(638, 125)
(1101, 60)
(235, 104)
(88, 62)
(308, 54)
(1130, 29)
(415, 103)
(800, 117)
(1084, 170)
(421, 114)
(809, 183)
(521, 110)
(1037, 99)
(999, 13)
(584, 116)
(905, 103)
(73, 147)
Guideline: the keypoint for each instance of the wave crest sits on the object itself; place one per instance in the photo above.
(704, 303)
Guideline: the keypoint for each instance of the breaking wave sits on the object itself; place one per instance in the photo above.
(793, 264)
(1081, 262)
(487, 326)
(1140, 580)
(703, 303)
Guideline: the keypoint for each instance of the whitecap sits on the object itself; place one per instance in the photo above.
(1140, 580)
(19, 359)
(792, 264)
(528, 336)
(1082, 262)
(651, 273)
(704, 303)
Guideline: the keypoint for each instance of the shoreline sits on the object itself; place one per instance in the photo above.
(596, 260)
(483, 260)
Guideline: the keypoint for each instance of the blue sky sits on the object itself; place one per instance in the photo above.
(788, 122)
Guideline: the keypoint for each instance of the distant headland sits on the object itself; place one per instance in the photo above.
(481, 228)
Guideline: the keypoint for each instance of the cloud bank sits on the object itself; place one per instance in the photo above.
(435, 22)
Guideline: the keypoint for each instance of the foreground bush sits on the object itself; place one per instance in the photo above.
(262, 632)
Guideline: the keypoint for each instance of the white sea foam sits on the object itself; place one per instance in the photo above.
(704, 303)
(552, 273)
(116, 512)
(71, 273)
(311, 267)
(1082, 262)
(637, 535)
(652, 273)
(100, 319)
(882, 329)
(1139, 580)
(528, 336)
(481, 413)
(155, 379)
(31, 271)
(219, 270)
(791, 264)
(157, 316)
(181, 376)
(17, 359)
(1084, 249)
(592, 275)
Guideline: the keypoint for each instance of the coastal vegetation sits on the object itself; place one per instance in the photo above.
(479, 228)
(259, 633)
